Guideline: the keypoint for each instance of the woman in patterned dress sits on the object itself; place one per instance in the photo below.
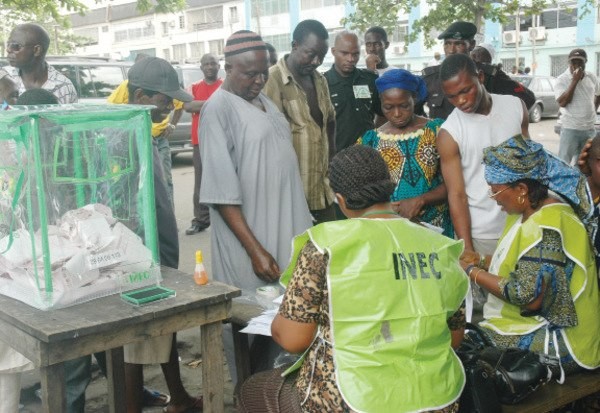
(408, 144)
(542, 277)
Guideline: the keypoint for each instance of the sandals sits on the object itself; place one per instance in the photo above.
(196, 407)
(154, 398)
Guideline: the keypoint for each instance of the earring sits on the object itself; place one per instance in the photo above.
(521, 199)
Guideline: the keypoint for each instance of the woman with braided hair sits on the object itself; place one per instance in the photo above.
(408, 144)
(374, 302)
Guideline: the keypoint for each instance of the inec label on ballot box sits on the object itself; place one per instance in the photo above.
(77, 214)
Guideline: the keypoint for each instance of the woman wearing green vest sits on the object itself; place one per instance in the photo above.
(542, 277)
(374, 302)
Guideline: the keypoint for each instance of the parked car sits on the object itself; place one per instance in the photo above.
(545, 105)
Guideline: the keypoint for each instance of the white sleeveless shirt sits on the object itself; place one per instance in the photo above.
(473, 132)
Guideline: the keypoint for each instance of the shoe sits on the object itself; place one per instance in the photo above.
(195, 228)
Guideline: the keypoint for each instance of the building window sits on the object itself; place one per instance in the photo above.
(508, 64)
(167, 54)
(233, 15)
(179, 53)
(203, 19)
(561, 15)
(104, 29)
(87, 36)
(269, 7)
(400, 32)
(196, 50)
(558, 64)
(165, 28)
(281, 42)
(317, 4)
(182, 22)
(216, 47)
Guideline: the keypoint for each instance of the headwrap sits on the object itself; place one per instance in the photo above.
(243, 41)
(521, 158)
(402, 79)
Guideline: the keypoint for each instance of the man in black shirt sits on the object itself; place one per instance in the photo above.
(352, 92)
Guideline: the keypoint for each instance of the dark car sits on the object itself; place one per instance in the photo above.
(545, 105)
(180, 139)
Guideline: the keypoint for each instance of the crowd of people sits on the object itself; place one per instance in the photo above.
(400, 221)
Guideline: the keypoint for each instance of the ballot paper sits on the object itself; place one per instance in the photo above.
(261, 324)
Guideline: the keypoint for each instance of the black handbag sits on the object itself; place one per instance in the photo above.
(514, 372)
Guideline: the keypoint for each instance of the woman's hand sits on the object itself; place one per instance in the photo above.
(410, 208)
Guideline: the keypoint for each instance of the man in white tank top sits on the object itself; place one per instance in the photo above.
(479, 120)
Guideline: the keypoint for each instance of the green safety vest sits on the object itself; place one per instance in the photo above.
(583, 340)
(392, 286)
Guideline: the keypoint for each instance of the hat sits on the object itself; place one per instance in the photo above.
(490, 49)
(459, 31)
(243, 41)
(157, 75)
(578, 54)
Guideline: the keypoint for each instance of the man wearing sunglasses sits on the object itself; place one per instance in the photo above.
(26, 52)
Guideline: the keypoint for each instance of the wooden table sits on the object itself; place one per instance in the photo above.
(48, 338)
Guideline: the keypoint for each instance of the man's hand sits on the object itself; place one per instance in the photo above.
(583, 157)
(578, 74)
(372, 61)
(264, 265)
(409, 208)
(168, 130)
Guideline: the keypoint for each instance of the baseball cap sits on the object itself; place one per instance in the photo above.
(578, 54)
(459, 31)
(157, 75)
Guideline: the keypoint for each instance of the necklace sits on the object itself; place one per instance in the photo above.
(379, 212)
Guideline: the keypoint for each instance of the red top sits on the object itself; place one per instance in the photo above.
(201, 91)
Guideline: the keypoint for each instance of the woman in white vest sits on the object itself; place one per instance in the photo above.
(374, 302)
(542, 277)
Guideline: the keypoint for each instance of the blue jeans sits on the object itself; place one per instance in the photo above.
(164, 152)
(571, 143)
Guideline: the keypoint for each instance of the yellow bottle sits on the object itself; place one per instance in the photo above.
(200, 275)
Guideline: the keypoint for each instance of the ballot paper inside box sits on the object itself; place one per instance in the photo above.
(77, 217)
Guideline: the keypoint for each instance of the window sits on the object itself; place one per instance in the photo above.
(165, 28)
(558, 64)
(179, 52)
(196, 50)
(203, 19)
(562, 14)
(269, 7)
(104, 29)
(146, 29)
(182, 22)
(400, 32)
(105, 79)
(87, 36)
(507, 64)
(281, 42)
(216, 47)
(167, 54)
(233, 15)
(317, 4)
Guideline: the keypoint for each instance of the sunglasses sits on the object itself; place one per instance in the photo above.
(17, 47)
(495, 194)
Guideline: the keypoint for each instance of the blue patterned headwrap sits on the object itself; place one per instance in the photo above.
(521, 158)
(402, 79)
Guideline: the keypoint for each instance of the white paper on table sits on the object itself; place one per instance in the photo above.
(278, 300)
(261, 324)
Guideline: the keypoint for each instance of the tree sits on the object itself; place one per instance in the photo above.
(443, 12)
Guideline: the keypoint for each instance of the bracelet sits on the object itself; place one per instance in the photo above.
(477, 275)
(469, 269)
(481, 260)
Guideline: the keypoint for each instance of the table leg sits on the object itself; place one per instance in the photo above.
(242, 353)
(115, 372)
(53, 388)
(213, 382)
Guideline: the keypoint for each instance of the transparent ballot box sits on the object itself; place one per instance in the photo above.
(77, 212)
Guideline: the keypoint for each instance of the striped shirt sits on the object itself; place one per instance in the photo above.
(57, 84)
(311, 142)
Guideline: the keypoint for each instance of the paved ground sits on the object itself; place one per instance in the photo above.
(189, 348)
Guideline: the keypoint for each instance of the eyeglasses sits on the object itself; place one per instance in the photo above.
(16, 47)
(495, 194)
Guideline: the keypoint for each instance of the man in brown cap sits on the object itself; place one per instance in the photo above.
(578, 95)
(458, 38)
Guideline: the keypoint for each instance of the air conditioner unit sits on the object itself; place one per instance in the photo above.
(510, 37)
(537, 33)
